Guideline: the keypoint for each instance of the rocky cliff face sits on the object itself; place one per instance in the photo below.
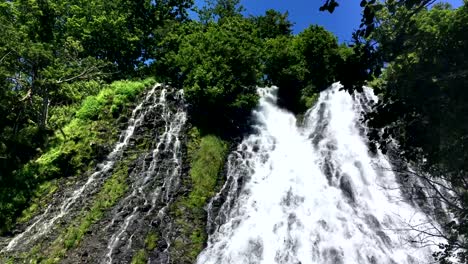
(122, 211)
(150, 198)
(155, 162)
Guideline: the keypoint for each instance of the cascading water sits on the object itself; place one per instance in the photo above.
(43, 223)
(153, 185)
(313, 194)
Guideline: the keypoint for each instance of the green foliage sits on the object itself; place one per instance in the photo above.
(220, 67)
(53, 54)
(214, 10)
(423, 104)
(151, 241)
(308, 99)
(319, 49)
(207, 158)
(140, 257)
(75, 148)
(302, 65)
(118, 94)
(110, 193)
(41, 196)
(220, 63)
(423, 96)
(273, 24)
(90, 108)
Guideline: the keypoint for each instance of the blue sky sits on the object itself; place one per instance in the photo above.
(303, 13)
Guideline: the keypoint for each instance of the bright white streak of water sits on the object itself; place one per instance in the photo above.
(48, 218)
(300, 203)
(142, 187)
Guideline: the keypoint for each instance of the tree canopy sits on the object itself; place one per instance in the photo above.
(56, 57)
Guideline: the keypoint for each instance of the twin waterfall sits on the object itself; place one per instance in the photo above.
(294, 194)
(312, 194)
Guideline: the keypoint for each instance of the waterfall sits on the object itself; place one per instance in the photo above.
(63, 208)
(314, 193)
(153, 184)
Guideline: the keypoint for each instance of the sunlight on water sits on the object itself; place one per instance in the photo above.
(312, 194)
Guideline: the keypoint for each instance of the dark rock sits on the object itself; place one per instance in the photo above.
(333, 256)
(372, 222)
(346, 186)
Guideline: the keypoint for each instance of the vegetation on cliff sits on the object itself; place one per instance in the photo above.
(63, 108)
(207, 155)
(73, 149)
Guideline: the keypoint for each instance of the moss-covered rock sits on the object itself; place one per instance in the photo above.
(207, 155)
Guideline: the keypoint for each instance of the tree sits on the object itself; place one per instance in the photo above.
(220, 67)
(215, 10)
(367, 60)
(273, 24)
(302, 66)
(423, 107)
(48, 48)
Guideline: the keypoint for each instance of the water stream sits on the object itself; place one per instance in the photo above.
(44, 222)
(312, 193)
(152, 186)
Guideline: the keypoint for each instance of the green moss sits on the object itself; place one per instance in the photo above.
(205, 167)
(151, 241)
(114, 96)
(113, 189)
(194, 143)
(140, 257)
(7, 260)
(41, 196)
(207, 155)
(198, 238)
(78, 144)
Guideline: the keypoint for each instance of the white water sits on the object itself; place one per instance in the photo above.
(165, 164)
(44, 223)
(312, 194)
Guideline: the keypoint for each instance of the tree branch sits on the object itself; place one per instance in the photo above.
(4, 56)
(86, 73)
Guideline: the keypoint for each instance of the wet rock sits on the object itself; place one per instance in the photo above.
(255, 249)
(346, 186)
(372, 259)
(387, 241)
(255, 148)
(333, 256)
(328, 169)
(323, 224)
(372, 222)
